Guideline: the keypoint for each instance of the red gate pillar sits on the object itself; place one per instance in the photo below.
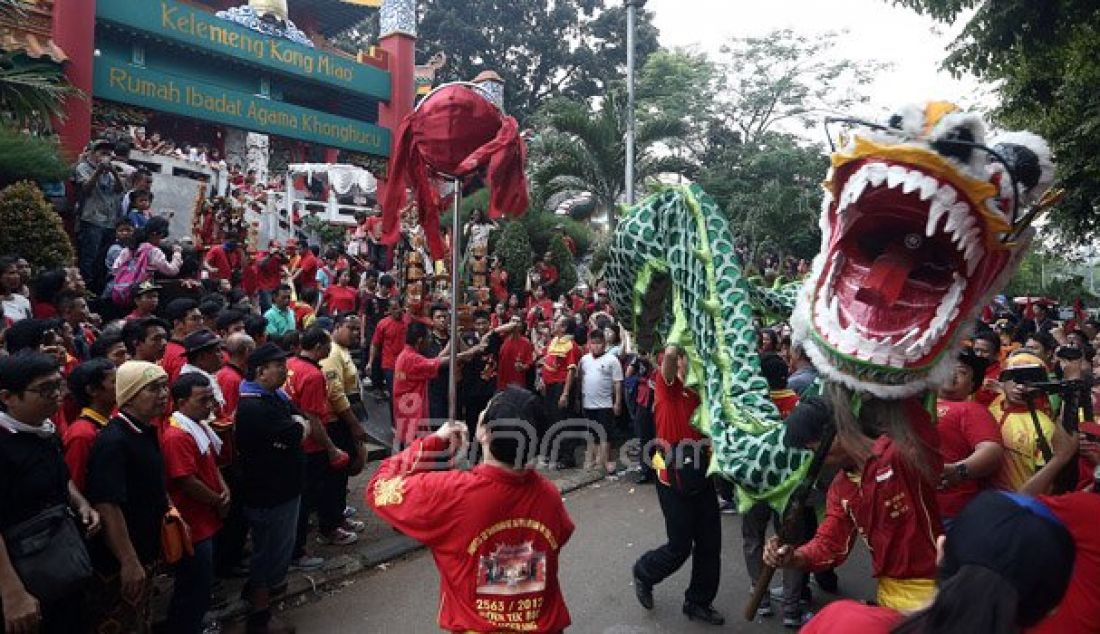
(74, 32)
(398, 22)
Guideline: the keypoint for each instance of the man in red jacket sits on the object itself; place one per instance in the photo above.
(495, 531)
(881, 494)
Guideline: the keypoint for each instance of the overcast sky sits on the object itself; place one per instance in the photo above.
(914, 44)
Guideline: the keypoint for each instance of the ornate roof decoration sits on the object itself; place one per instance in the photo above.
(247, 17)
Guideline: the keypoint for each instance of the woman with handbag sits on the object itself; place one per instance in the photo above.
(40, 579)
(126, 482)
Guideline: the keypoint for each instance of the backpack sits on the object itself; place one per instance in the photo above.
(133, 272)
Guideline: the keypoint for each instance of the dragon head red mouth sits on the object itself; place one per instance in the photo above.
(915, 238)
(908, 258)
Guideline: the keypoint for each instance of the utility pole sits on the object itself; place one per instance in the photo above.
(632, 7)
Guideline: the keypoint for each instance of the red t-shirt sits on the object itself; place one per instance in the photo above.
(305, 384)
(411, 374)
(1079, 611)
(512, 350)
(985, 395)
(78, 440)
(962, 425)
(498, 281)
(270, 275)
(891, 506)
(182, 459)
(175, 357)
(561, 356)
(340, 299)
(390, 334)
(495, 535)
(673, 406)
(308, 266)
(229, 380)
(250, 278)
(851, 617)
(225, 262)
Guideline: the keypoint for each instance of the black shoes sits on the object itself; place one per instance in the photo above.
(644, 592)
(704, 613)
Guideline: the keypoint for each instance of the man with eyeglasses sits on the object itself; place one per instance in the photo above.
(126, 483)
(33, 477)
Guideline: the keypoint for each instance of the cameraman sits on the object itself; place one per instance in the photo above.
(1025, 449)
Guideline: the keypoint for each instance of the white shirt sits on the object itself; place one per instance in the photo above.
(598, 380)
(16, 307)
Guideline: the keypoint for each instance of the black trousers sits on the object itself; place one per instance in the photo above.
(694, 530)
(230, 540)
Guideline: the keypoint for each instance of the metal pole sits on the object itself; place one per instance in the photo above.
(631, 16)
(456, 243)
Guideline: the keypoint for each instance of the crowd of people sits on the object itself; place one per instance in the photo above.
(189, 407)
(157, 386)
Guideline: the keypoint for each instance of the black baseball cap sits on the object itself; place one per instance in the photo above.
(266, 354)
(1020, 539)
(201, 340)
(807, 422)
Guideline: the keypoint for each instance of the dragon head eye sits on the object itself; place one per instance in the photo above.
(956, 144)
(896, 121)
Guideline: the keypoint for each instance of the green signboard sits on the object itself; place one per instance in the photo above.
(182, 24)
(119, 80)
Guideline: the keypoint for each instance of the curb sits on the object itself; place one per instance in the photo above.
(338, 571)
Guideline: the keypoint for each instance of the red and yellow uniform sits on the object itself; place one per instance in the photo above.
(894, 508)
(1023, 453)
(495, 536)
(562, 355)
(673, 406)
(785, 400)
(79, 438)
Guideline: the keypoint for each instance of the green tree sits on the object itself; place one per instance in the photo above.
(1042, 58)
(681, 84)
(32, 228)
(28, 157)
(573, 48)
(585, 151)
(771, 191)
(514, 249)
(787, 77)
(567, 268)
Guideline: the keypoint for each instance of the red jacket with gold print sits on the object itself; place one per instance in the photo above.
(495, 536)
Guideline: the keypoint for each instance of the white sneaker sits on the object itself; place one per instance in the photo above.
(307, 562)
(338, 537)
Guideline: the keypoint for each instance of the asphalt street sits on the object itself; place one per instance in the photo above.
(616, 522)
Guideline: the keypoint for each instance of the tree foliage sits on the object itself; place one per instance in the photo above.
(31, 92)
(567, 268)
(771, 191)
(28, 157)
(514, 249)
(571, 48)
(585, 151)
(1042, 56)
(32, 228)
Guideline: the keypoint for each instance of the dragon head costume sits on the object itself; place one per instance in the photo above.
(921, 223)
(920, 226)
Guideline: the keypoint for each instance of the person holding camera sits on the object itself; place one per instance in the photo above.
(100, 193)
(1021, 415)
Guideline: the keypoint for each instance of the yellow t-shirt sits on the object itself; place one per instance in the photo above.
(1022, 454)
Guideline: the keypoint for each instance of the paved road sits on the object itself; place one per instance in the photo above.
(616, 522)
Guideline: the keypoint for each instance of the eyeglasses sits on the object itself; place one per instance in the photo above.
(158, 386)
(49, 390)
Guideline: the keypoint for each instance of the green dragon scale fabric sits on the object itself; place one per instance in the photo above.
(674, 270)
